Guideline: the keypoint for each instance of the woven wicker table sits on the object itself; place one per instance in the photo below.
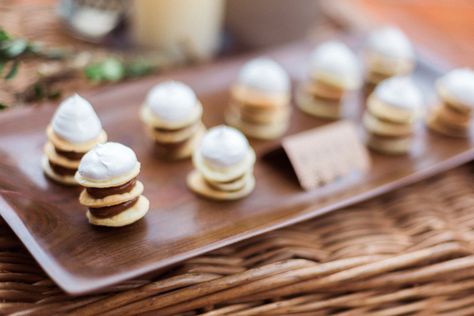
(410, 252)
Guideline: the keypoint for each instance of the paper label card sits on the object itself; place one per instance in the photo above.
(322, 155)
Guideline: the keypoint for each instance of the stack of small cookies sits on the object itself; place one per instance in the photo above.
(391, 116)
(74, 130)
(172, 116)
(453, 115)
(260, 99)
(388, 53)
(334, 73)
(111, 192)
(224, 165)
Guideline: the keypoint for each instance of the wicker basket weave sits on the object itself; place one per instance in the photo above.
(410, 252)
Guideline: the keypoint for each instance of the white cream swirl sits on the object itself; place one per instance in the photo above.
(107, 161)
(264, 75)
(390, 42)
(334, 61)
(459, 83)
(400, 92)
(223, 146)
(172, 101)
(76, 121)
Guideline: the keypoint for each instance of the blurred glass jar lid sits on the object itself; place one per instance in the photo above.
(91, 20)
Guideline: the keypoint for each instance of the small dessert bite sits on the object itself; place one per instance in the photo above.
(73, 131)
(393, 110)
(260, 98)
(334, 72)
(388, 52)
(112, 193)
(453, 115)
(224, 164)
(172, 116)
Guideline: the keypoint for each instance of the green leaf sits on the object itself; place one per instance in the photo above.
(4, 35)
(2, 65)
(112, 70)
(15, 48)
(138, 68)
(13, 70)
(3, 106)
(94, 72)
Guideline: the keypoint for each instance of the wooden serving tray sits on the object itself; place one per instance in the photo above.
(81, 258)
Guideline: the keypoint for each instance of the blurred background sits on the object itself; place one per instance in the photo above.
(51, 47)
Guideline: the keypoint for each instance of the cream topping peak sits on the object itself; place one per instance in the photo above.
(172, 101)
(76, 121)
(335, 60)
(107, 161)
(400, 92)
(223, 146)
(264, 75)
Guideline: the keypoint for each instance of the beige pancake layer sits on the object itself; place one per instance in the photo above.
(152, 120)
(64, 179)
(58, 159)
(67, 146)
(390, 113)
(388, 66)
(89, 201)
(200, 186)
(252, 97)
(439, 124)
(231, 186)
(319, 107)
(325, 90)
(257, 114)
(265, 131)
(448, 98)
(224, 174)
(181, 150)
(127, 217)
(91, 183)
(385, 128)
(174, 136)
(389, 145)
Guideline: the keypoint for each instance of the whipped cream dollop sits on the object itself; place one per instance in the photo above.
(390, 42)
(76, 121)
(107, 161)
(335, 60)
(223, 146)
(459, 83)
(265, 75)
(400, 92)
(172, 101)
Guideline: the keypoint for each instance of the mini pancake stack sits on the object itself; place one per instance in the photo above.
(172, 116)
(224, 165)
(388, 53)
(74, 130)
(392, 112)
(259, 104)
(453, 115)
(111, 192)
(334, 72)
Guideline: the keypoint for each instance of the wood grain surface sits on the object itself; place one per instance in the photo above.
(81, 258)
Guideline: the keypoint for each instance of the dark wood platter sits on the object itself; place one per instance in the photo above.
(81, 258)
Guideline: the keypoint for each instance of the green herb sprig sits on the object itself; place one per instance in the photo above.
(14, 50)
(113, 69)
